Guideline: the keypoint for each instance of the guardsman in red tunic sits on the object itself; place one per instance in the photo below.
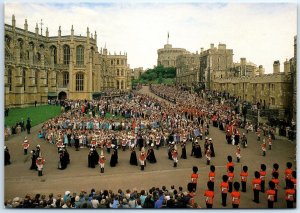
(211, 176)
(194, 177)
(236, 195)
(275, 180)
(142, 158)
(270, 142)
(271, 194)
(244, 176)
(238, 153)
(264, 147)
(25, 145)
(262, 174)
(101, 162)
(175, 156)
(224, 189)
(288, 172)
(209, 196)
(289, 194)
(256, 186)
(230, 175)
(229, 163)
(40, 165)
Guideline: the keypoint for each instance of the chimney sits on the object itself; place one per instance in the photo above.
(287, 67)
(261, 70)
(276, 67)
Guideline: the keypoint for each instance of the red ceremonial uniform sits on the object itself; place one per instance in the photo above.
(235, 197)
(211, 176)
(244, 176)
(224, 187)
(271, 194)
(256, 183)
(209, 197)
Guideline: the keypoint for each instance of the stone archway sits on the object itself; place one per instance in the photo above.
(62, 95)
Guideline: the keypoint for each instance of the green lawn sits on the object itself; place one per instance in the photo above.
(37, 114)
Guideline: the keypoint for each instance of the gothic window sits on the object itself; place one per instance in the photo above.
(79, 55)
(65, 79)
(38, 57)
(122, 84)
(24, 79)
(54, 54)
(9, 79)
(47, 76)
(79, 81)
(66, 54)
(20, 43)
(92, 52)
(111, 62)
(118, 72)
(118, 62)
(36, 78)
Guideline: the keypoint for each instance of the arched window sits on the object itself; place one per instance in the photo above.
(24, 79)
(118, 72)
(47, 76)
(122, 84)
(65, 79)
(118, 62)
(79, 55)
(92, 53)
(79, 81)
(66, 54)
(9, 79)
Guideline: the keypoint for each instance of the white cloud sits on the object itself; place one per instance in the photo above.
(260, 32)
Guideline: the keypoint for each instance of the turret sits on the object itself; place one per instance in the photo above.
(202, 49)
(36, 29)
(47, 32)
(87, 33)
(59, 31)
(96, 37)
(13, 21)
(72, 31)
(243, 66)
(276, 67)
(26, 25)
(212, 46)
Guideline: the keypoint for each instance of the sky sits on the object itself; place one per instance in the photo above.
(260, 32)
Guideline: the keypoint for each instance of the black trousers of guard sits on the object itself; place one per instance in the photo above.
(262, 186)
(270, 204)
(235, 206)
(224, 198)
(256, 195)
(244, 186)
(289, 204)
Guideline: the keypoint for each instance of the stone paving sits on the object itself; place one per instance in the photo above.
(19, 180)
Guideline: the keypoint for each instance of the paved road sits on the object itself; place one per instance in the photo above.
(19, 180)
